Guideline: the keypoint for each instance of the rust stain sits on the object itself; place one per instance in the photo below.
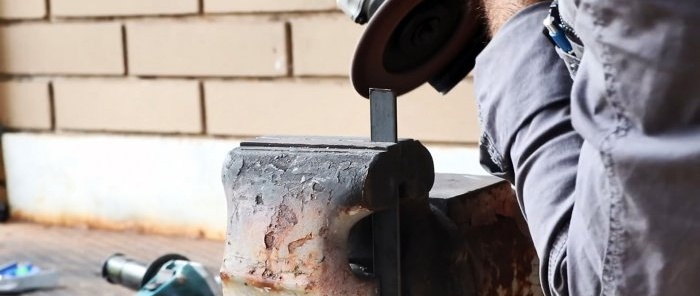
(263, 283)
(491, 222)
(282, 222)
(143, 226)
(293, 246)
(506, 257)
(269, 240)
(268, 275)
(353, 210)
(323, 232)
(334, 277)
(310, 287)
(225, 276)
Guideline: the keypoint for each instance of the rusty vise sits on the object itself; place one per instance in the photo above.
(350, 216)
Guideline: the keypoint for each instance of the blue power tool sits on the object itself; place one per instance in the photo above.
(20, 277)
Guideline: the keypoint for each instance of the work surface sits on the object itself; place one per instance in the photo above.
(78, 254)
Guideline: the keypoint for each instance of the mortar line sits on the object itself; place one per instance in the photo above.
(308, 78)
(125, 51)
(220, 16)
(203, 107)
(47, 5)
(52, 107)
(289, 51)
(271, 15)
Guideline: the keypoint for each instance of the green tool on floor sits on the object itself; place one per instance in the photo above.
(170, 275)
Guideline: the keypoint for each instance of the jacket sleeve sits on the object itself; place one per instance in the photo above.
(523, 91)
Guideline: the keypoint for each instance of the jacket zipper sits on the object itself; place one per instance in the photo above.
(569, 31)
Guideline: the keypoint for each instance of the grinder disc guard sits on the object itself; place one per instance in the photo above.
(409, 42)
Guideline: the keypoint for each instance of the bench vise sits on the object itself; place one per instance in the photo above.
(350, 216)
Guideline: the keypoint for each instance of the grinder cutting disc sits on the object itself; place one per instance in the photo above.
(407, 42)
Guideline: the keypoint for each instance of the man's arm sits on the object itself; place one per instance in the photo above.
(634, 228)
(523, 92)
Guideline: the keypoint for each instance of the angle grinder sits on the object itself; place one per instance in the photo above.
(410, 42)
(169, 275)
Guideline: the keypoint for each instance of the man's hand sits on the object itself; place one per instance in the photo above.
(497, 12)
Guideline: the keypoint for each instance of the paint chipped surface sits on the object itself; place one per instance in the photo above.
(289, 222)
(291, 211)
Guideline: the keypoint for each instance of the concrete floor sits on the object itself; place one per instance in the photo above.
(78, 253)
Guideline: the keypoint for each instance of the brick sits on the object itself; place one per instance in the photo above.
(218, 6)
(332, 108)
(22, 9)
(25, 105)
(86, 8)
(285, 108)
(317, 48)
(425, 114)
(76, 48)
(207, 49)
(139, 106)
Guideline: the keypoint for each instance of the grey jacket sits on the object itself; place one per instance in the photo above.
(607, 165)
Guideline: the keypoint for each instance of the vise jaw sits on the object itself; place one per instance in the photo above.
(292, 202)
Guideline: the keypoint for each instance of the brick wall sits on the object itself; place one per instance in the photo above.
(201, 67)
(198, 67)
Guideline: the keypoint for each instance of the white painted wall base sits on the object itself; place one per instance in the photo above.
(168, 185)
